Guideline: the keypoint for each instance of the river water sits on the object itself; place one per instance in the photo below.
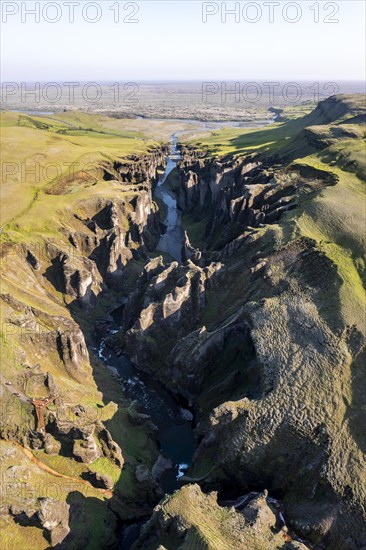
(171, 241)
(174, 423)
(175, 429)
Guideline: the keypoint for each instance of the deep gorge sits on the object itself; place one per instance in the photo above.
(186, 323)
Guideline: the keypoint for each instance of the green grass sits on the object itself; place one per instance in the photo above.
(205, 524)
(195, 229)
(229, 142)
(35, 145)
(335, 220)
(172, 181)
(333, 217)
(14, 536)
(33, 215)
(275, 137)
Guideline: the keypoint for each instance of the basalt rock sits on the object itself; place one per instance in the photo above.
(48, 514)
(125, 231)
(100, 481)
(170, 304)
(32, 260)
(87, 450)
(198, 358)
(190, 253)
(272, 377)
(242, 194)
(51, 286)
(189, 516)
(274, 438)
(51, 445)
(161, 465)
(72, 350)
(140, 169)
(76, 277)
(109, 447)
(54, 518)
(43, 334)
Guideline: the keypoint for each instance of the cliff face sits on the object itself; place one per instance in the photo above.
(90, 257)
(167, 304)
(274, 362)
(54, 287)
(191, 517)
(259, 330)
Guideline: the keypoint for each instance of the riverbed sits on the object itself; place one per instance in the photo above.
(172, 240)
(174, 423)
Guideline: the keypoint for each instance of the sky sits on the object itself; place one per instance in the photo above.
(169, 40)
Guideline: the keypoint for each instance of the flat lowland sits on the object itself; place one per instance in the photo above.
(217, 100)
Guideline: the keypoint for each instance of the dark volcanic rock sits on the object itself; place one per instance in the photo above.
(54, 518)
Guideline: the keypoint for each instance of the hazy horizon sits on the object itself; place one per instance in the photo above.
(169, 41)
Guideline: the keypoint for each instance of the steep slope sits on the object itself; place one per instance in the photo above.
(260, 332)
(191, 519)
(68, 247)
(274, 365)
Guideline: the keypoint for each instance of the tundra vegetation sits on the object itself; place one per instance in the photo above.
(259, 331)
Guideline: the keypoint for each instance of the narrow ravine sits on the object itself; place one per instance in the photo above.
(171, 241)
(174, 423)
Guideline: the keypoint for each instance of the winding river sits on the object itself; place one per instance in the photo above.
(171, 241)
(175, 432)
(174, 423)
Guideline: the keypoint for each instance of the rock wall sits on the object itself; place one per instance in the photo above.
(270, 377)
(62, 279)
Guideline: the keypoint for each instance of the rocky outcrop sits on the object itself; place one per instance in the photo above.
(48, 514)
(118, 232)
(51, 445)
(42, 334)
(169, 301)
(109, 447)
(262, 349)
(270, 370)
(75, 276)
(88, 439)
(161, 465)
(191, 517)
(137, 169)
(289, 434)
(87, 450)
(72, 350)
(54, 518)
(231, 199)
(100, 481)
(190, 253)
(66, 274)
(202, 358)
(241, 195)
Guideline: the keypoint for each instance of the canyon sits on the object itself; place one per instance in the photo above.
(195, 312)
